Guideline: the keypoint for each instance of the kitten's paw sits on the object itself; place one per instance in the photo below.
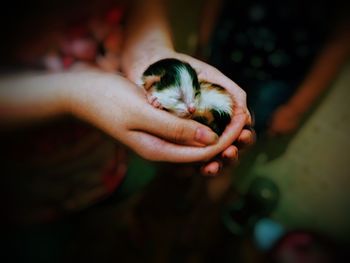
(153, 100)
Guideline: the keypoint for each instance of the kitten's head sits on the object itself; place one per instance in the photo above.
(176, 86)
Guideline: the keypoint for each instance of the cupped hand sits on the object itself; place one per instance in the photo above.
(118, 107)
(238, 134)
(241, 115)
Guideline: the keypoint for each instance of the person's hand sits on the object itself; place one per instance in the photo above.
(238, 134)
(241, 113)
(119, 107)
(284, 120)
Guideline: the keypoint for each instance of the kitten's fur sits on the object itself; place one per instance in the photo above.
(173, 85)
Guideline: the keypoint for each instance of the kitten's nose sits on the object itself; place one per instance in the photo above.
(191, 109)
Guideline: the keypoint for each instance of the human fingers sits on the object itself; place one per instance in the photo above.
(172, 128)
(211, 74)
(154, 148)
(248, 135)
(246, 138)
(212, 168)
(230, 153)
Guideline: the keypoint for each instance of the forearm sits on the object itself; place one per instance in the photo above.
(322, 73)
(210, 13)
(30, 97)
(147, 36)
(35, 96)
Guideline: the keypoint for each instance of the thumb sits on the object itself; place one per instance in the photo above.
(172, 128)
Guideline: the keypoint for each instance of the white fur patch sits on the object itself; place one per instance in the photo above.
(186, 85)
(211, 98)
(177, 99)
(171, 99)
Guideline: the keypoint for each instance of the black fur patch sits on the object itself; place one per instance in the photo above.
(221, 120)
(168, 69)
(202, 120)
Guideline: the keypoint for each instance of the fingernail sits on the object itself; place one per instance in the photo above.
(228, 155)
(214, 170)
(232, 153)
(206, 136)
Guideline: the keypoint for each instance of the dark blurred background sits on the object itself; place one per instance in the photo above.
(288, 199)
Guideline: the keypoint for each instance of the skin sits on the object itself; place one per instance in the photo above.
(287, 117)
(103, 99)
(149, 40)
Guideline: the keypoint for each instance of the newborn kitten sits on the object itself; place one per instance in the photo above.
(173, 85)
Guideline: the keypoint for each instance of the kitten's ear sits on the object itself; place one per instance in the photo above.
(149, 81)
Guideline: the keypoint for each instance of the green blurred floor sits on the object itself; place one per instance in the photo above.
(311, 168)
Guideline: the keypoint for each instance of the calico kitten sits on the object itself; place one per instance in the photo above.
(173, 85)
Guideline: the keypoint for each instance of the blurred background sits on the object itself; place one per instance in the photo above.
(286, 201)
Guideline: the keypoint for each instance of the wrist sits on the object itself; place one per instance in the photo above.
(30, 97)
(295, 107)
(298, 106)
(81, 89)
